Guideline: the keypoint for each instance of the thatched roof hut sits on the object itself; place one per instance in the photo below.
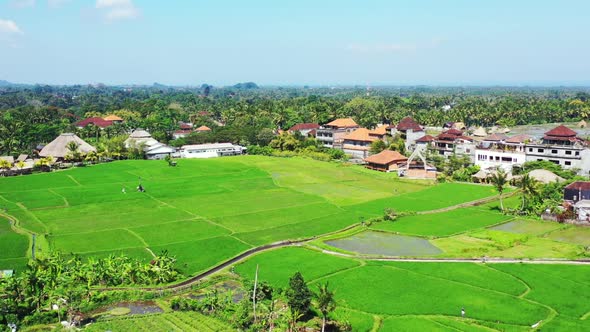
(481, 132)
(545, 176)
(58, 148)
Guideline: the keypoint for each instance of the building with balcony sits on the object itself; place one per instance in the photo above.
(563, 147)
(332, 134)
(500, 151)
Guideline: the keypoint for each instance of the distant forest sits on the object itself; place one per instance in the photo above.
(35, 114)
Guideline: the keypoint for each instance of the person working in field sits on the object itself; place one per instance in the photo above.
(140, 188)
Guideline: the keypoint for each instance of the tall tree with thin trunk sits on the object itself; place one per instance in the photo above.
(499, 179)
(325, 302)
(529, 188)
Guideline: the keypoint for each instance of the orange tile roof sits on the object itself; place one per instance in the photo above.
(343, 123)
(203, 128)
(361, 134)
(381, 130)
(112, 117)
(385, 157)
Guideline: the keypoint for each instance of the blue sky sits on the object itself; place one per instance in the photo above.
(281, 42)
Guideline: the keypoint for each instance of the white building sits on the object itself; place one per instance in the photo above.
(211, 150)
(152, 148)
(563, 147)
(499, 151)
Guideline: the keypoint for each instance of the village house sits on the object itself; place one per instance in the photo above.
(99, 122)
(306, 129)
(453, 142)
(58, 148)
(211, 150)
(500, 151)
(578, 194)
(331, 134)
(113, 118)
(563, 147)
(577, 191)
(153, 149)
(385, 161)
(358, 143)
(203, 129)
(409, 130)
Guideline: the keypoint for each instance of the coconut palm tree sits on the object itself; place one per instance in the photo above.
(325, 302)
(499, 179)
(529, 188)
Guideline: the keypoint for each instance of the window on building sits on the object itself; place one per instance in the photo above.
(530, 149)
(568, 163)
(506, 159)
(568, 152)
(577, 153)
(554, 161)
(540, 150)
(497, 158)
(554, 151)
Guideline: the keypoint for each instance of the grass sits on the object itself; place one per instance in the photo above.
(175, 321)
(205, 211)
(277, 266)
(442, 224)
(12, 245)
(409, 296)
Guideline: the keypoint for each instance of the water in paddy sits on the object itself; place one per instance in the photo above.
(513, 227)
(386, 244)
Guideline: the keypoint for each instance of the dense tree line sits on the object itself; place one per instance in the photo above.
(68, 282)
(36, 114)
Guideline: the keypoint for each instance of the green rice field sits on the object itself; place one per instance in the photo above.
(202, 211)
(405, 296)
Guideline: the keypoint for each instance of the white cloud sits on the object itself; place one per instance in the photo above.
(117, 9)
(23, 3)
(9, 28)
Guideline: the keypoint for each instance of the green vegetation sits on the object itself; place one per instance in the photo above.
(443, 224)
(175, 321)
(205, 211)
(501, 296)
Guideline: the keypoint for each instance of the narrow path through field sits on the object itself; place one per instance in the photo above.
(468, 204)
(74, 180)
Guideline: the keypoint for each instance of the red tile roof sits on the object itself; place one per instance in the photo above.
(408, 123)
(203, 128)
(425, 138)
(99, 122)
(561, 131)
(304, 126)
(454, 132)
(185, 126)
(579, 185)
(386, 157)
(496, 137)
(522, 138)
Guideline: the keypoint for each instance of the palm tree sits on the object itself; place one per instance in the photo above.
(499, 179)
(325, 301)
(529, 187)
(5, 164)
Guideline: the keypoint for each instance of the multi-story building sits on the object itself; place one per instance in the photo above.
(409, 130)
(500, 151)
(331, 134)
(452, 142)
(358, 143)
(563, 147)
